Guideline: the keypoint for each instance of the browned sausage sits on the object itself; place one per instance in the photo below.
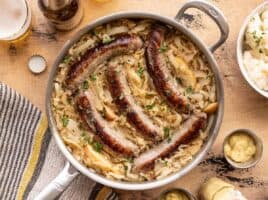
(121, 94)
(112, 138)
(188, 131)
(157, 68)
(80, 70)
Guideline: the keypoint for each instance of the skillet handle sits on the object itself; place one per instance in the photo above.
(211, 11)
(59, 184)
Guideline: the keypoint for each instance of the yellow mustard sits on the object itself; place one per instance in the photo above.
(240, 147)
(174, 195)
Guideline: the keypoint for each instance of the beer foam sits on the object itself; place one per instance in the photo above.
(13, 14)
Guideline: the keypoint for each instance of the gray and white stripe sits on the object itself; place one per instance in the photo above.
(18, 122)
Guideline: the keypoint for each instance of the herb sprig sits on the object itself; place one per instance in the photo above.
(163, 48)
(97, 146)
(65, 120)
(140, 70)
(167, 133)
(85, 85)
(189, 90)
(93, 77)
(150, 106)
(257, 38)
(66, 59)
(107, 39)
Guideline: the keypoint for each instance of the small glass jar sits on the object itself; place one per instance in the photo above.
(63, 14)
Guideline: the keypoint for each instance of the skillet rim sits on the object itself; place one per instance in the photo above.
(214, 122)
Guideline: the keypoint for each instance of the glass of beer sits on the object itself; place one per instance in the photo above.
(15, 20)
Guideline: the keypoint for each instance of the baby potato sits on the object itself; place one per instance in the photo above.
(211, 108)
(108, 113)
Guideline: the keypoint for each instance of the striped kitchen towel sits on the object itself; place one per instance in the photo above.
(29, 158)
(23, 141)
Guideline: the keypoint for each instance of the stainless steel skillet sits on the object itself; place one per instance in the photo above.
(71, 171)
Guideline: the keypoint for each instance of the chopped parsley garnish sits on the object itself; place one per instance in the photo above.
(189, 90)
(163, 48)
(85, 85)
(66, 59)
(166, 132)
(93, 77)
(107, 40)
(140, 70)
(97, 146)
(165, 162)
(65, 120)
(149, 107)
(85, 138)
(257, 38)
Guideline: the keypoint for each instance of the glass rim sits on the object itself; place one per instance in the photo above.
(24, 27)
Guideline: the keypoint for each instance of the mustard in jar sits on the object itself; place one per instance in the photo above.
(240, 147)
(174, 195)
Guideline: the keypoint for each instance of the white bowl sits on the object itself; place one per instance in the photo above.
(239, 50)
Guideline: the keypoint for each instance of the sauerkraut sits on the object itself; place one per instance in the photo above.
(194, 79)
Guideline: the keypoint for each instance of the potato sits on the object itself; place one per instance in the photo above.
(108, 113)
(211, 108)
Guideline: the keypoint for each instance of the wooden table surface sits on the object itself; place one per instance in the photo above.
(244, 108)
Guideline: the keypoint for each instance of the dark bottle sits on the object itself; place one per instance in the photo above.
(63, 14)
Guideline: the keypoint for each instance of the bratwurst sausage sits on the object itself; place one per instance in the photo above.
(188, 131)
(157, 68)
(121, 94)
(93, 57)
(112, 138)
